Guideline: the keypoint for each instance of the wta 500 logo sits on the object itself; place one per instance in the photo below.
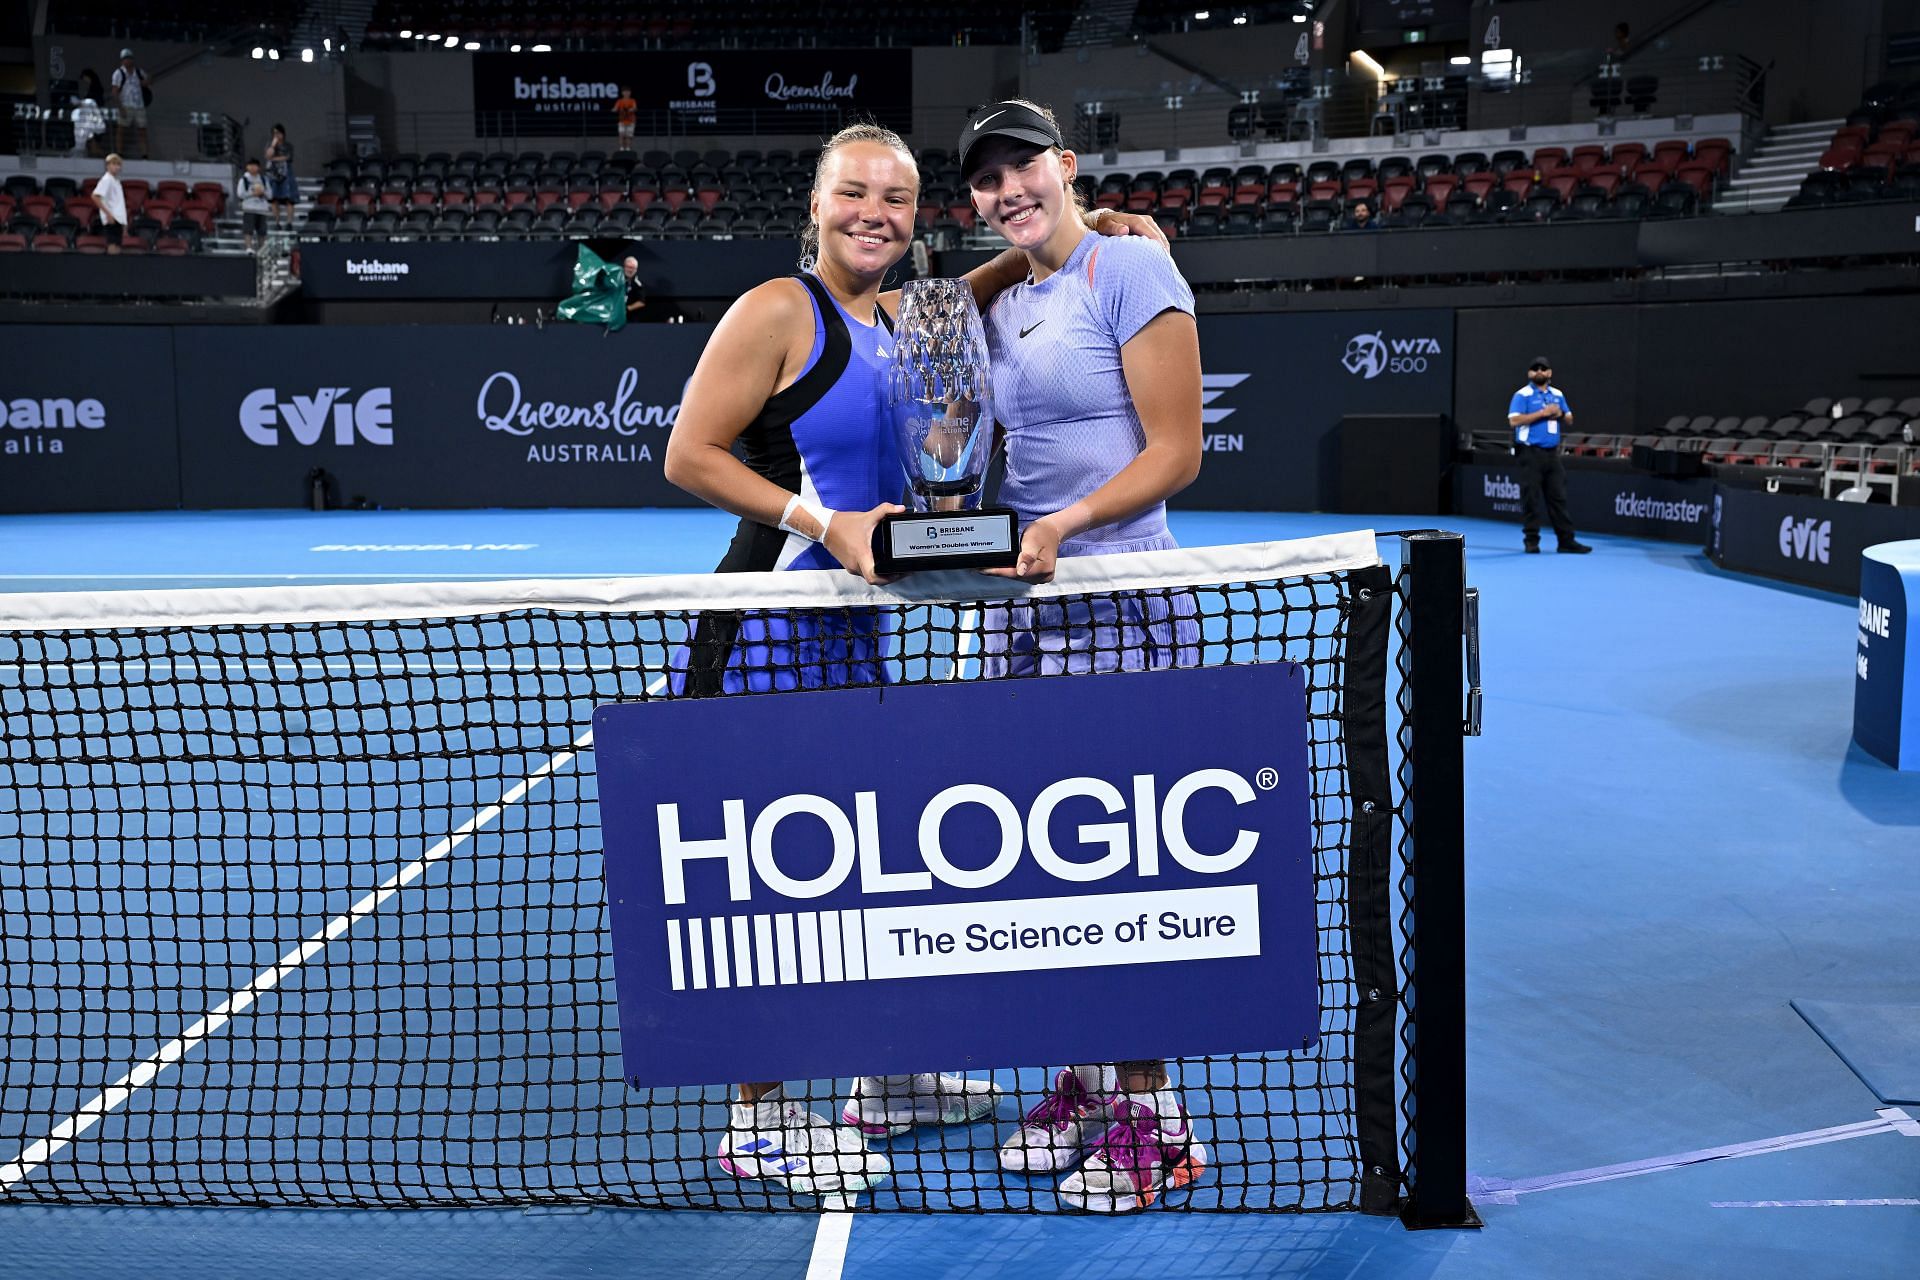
(368, 416)
(1368, 355)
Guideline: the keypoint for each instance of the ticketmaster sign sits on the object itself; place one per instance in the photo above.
(1600, 501)
(911, 890)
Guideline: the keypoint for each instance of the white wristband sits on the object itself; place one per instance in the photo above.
(822, 516)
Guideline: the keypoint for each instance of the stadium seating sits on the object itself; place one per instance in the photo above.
(1842, 438)
(1875, 155)
(588, 24)
(750, 193)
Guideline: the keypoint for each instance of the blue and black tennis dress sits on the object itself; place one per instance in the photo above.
(827, 438)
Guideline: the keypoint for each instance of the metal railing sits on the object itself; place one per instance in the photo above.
(422, 132)
(91, 131)
(1584, 86)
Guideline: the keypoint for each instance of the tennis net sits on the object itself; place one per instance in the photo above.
(301, 896)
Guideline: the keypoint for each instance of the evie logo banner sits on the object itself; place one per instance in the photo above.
(960, 876)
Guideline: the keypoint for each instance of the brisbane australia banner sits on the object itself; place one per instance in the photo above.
(960, 876)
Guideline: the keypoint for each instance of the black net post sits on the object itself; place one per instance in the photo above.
(1434, 593)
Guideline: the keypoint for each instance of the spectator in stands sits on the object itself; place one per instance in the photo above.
(282, 186)
(252, 190)
(1359, 218)
(89, 126)
(112, 203)
(626, 111)
(1537, 413)
(1622, 38)
(132, 90)
(90, 115)
(636, 288)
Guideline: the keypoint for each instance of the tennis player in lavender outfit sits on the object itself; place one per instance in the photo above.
(1096, 367)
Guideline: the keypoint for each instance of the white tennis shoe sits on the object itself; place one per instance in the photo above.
(1148, 1151)
(886, 1106)
(1056, 1133)
(805, 1153)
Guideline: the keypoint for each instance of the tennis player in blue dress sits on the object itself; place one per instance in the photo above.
(1096, 370)
(794, 376)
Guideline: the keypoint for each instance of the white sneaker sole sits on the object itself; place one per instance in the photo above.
(1189, 1171)
(892, 1125)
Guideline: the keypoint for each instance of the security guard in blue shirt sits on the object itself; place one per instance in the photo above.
(1537, 413)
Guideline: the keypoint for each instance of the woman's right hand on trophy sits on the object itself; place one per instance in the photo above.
(850, 540)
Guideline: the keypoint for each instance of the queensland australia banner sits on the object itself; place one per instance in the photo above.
(431, 416)
(720, 91)
(960, 876)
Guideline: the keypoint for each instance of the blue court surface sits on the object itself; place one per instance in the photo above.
(1671, 839)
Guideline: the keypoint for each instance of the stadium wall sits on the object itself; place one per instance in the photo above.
(1629, 368)
(1821, 54)
(169, 424)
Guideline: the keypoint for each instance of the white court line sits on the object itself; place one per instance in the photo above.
(116, 1095)
(969, 630)
(1897, 1201)
(830, 1245)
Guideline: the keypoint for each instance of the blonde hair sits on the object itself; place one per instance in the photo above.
(1080, 202)
(860, 131)
(113, 157)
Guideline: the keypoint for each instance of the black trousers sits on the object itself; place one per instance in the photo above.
(1543, 483)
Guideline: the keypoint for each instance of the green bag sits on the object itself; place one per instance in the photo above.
(599, 292)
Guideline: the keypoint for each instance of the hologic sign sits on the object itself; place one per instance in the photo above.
(958, 876)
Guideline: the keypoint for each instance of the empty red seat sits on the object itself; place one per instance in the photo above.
(49, 243)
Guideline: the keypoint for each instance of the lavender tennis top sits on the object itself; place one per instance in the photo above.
(1059, 389)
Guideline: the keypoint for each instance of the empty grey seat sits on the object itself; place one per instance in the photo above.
(1846, 406)
(1819, 406)
(1728, 426)
(1845, 428)
(1701, 426)
(1878, 407)
(1883, 429)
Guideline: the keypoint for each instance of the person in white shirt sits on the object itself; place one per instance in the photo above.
(131, 90)
(111, 200)
(251, 188)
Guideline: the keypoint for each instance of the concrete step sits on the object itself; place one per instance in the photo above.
(1824, 128)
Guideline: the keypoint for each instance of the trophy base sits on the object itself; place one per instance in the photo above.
(985, 539)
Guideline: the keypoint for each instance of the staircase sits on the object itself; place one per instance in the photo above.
(1771, 175)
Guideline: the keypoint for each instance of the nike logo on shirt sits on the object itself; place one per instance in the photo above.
(1030, 328)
